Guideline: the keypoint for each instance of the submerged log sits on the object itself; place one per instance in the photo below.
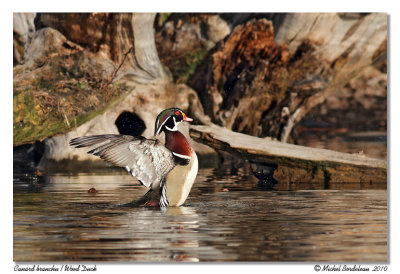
(294, 163)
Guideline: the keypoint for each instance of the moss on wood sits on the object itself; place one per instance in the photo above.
(54, 98)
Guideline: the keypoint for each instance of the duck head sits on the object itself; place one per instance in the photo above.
(169, 119)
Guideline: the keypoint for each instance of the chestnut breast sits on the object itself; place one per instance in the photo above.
(176, 142)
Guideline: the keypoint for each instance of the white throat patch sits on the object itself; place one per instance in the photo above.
(175, 128)
(159, 129)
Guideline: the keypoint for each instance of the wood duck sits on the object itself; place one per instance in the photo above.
(168, 170)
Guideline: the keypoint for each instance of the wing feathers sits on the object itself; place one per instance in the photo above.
(147, 159)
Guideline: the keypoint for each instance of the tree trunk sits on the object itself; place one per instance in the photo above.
(262, 84)
(148, 67)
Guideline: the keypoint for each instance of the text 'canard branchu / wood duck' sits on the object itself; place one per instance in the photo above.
(168, 170)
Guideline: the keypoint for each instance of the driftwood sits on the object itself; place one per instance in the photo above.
(294, 163)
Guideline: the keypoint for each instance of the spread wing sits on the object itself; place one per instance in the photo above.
(146, 159)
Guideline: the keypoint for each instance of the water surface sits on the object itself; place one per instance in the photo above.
(227, 217)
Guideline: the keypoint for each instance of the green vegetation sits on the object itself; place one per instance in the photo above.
(54, 104)
(183, 67)
(31, 123)
(191, 61)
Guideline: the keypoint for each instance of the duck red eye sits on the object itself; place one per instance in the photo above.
(177, 113)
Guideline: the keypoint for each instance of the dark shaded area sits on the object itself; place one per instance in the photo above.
(235, 19)
(26, 157)
(129, 123)
(265, 174)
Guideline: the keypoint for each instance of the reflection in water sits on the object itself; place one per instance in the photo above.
(161, 234)
(226, 218)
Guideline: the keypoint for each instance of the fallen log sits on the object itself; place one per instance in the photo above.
(295, 163)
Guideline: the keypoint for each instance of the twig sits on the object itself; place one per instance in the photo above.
(65, 117)
(117, 69)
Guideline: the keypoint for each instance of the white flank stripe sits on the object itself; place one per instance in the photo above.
(181, 155)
